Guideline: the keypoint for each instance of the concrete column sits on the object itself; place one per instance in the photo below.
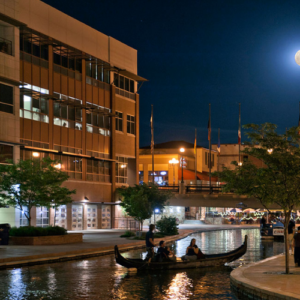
(69, 217)
(137, 135)
(51, 216)
(113, 151)
(99, 216)
(84, 217)
(146, 177)
(51, 90)
(181, 188)
(33, 216)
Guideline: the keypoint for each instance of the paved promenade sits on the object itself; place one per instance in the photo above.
(95, 243)
(266, 280)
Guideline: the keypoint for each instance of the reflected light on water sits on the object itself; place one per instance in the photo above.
(180, 287)
(102, 278)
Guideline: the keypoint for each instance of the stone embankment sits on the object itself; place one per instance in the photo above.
(266, 279)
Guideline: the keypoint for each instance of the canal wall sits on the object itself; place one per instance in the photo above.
(266, 279)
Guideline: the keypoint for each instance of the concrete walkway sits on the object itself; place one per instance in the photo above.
(266, 280)
(95, 243)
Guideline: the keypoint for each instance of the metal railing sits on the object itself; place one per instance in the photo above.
(5, 46)
(126, 223)
(172, 188)
(203, 188)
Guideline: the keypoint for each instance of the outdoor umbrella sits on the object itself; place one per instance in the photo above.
(235, 210)
(249, 211)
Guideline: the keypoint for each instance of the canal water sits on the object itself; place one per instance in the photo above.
(101, 278)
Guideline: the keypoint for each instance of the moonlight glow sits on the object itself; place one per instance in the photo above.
(297, 57)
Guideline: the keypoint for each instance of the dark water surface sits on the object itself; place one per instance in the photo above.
(101, 278)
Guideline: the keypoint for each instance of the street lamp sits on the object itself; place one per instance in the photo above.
(173, 162)
(182, 151)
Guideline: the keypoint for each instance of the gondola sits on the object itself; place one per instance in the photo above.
(209, 260)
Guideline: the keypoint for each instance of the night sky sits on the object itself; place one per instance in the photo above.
(198, 52)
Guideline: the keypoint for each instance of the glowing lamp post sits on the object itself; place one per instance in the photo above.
(182, 150)
(173, 162)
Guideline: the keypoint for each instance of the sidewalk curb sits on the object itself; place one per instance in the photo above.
(78, 254)
(246, 288)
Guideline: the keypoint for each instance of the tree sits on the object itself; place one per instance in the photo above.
(140, 201)
(33, 182)
(278, 180)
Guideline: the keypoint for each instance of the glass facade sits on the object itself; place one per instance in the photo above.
(42, 217)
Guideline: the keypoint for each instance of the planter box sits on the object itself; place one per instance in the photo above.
(46, 240)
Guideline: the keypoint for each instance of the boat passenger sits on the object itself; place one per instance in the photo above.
(192, 251)
(263, 221)
(296, 244)
(150, 243)
(164, 253)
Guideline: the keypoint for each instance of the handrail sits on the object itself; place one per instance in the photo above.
(172, 188)
(203, 188)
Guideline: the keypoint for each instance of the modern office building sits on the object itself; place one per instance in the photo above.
(69, 92)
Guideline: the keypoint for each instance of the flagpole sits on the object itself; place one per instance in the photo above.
(152, 142)
(195, 146)
(219, 147)
(209, 160)
(239, 140)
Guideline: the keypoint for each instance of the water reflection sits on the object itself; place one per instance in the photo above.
(101, 278)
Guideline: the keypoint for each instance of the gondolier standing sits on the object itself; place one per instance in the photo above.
(150, 242)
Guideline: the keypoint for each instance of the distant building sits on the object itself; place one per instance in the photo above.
(168, 173)
(69, 92)
(230, 153)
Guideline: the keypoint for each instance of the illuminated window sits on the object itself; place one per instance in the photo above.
(98, 170)
(72, 165)
(119, 121)
(67, 115)
(23, 219)
(98, 119)
(6, 98)
(42, 216)
(130, 124)
(121, 169)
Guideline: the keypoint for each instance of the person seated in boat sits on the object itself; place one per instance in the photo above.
(150, 243)
(193, 252)
(164, 253)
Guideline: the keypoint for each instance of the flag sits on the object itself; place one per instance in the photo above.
(239, 131)
(195, 143)
(151, 125)
(209, 130)
(219, 144)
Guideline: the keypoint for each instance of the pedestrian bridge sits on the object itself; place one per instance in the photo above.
(205, 196)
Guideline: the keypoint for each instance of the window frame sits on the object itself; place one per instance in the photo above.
(131, 124)
(6, 104)
(119, 121)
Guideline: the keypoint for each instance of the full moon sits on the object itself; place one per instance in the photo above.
(297, 57)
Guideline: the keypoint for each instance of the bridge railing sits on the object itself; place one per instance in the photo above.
(172, 188)
(199, 188)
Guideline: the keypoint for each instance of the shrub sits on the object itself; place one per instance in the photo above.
(167, 225)
(128, 233)
(37, 231)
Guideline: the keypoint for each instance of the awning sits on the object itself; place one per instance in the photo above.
(190, 175)
(128, 74)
